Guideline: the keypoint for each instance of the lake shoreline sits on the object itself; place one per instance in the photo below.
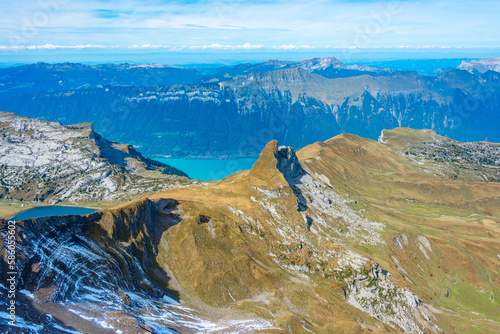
(31, 206)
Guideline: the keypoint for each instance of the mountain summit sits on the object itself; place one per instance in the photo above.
(480, 66)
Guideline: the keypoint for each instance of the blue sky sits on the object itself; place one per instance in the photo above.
(236, 25)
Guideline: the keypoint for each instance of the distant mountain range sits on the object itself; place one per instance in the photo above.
(68, 76)
(234, 112)
(328, 67)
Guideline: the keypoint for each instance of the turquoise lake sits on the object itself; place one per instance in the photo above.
(43, 211)
(205, 170)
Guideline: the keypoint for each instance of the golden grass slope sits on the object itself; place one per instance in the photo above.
(244, 249)
(459, 218)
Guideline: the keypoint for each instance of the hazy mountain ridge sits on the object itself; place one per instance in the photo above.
(236, 117)
(328, 67)
(41, 77)
(480, 65)
(48, 162)
(344, 235)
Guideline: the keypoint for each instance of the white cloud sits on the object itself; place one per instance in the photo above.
(146, 46)
(55, 47)
(213, 46)
(224, 24)
(218, 46)
(295, 47)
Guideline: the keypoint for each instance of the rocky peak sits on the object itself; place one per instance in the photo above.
(320, 63)
(277, 164)
(288, 163)
(276, 62)
(480, 65)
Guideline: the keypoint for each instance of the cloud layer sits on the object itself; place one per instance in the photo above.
(245, 26)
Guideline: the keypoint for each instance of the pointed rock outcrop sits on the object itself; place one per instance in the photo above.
(288, 163)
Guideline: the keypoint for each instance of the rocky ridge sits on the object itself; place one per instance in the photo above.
(49, 162)
(446, 157)
(480, 65)
(329, 67)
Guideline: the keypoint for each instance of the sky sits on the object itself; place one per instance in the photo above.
(135, 26)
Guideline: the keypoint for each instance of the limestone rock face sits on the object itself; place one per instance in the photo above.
(50, 162)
